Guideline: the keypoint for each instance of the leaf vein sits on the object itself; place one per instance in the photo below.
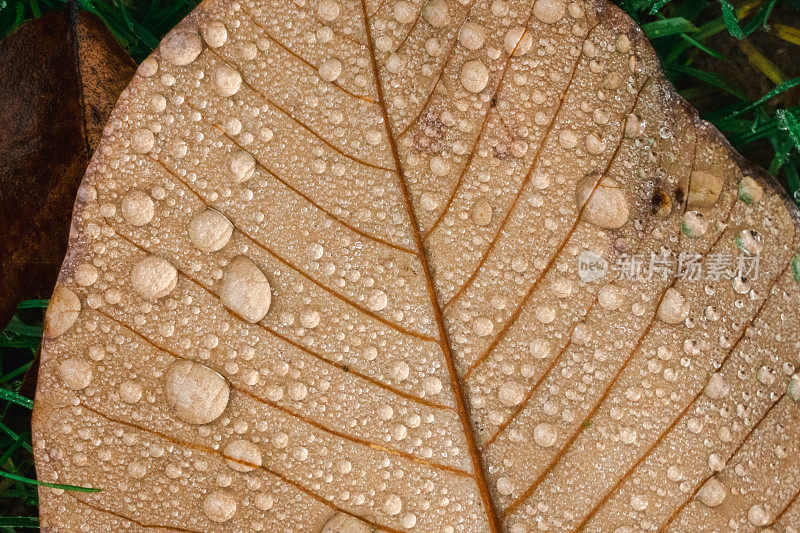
(606, 497)
(300, 271)
(518, 311)
(289, 412)
(305, 61)
(212, 451)
(522, 186)
(297, 121)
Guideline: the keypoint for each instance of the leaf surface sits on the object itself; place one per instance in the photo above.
(332, 271)
(59, 79)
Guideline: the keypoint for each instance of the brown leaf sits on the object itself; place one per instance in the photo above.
(325, 277)
(59, 79)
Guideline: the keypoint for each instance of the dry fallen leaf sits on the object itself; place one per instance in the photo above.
(303, 296)
(59, 79)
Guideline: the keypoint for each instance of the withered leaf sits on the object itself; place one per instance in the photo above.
(338, 266)
(59, 79)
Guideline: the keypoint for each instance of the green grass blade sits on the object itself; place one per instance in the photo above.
(35, 9)
(17, 439)
(707, 77)
(761, 19)
(34, 304)
(11, 451)
(29, 481)
(668, 26)
(781, 157)
(18, 327)
(783, 87)
(19, 521)
(15, 373)
(700, 46)
(730, 19)
(657, 6)
(789, 123)
(13, 397)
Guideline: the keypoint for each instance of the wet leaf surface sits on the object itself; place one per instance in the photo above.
(384, 266)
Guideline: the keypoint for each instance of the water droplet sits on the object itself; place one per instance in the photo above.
(153, 277)
(429, 201)
(549, 11)
(605, 203)
(209, 230)
(298, 391)
(595, 145)
(623, 44)
(481, 212)
(474, 76)
(315, 251)
(393, 505)
(242, 165)
(539, 348)
(511, 393)
(137, 208)
(439, 166)
(749, 241)
(482, 326)
(675, 474)
(793, 389)
(750, 192)
(377, 300)
(75, 373)
(694, 224)
(137, 469)
(712, 493)
(264, 501)
(85, 274)
(142, 140)
(330, 70)
(545, 435)
(472, 35)
(703, 189)
(195, 393)
(758, 516)
(404, 12)
(246, 455)
(400, 370)
(345, 523)
(716, 387)
(435, 13)
(518, 41)
(505, 486)
(130, 391)
(227, 80)
(328, 10)
(148, 67)
(674, 308)
(245, 289)
(310, 318)
(611, 297)
(568, 139)
(219, 506)
(180, 47)
(765, 375)
(214, 33)
(432, 385)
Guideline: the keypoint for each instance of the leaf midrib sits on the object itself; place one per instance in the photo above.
(461, 405)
